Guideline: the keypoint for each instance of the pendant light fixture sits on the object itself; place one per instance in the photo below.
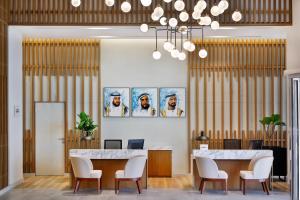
(156, 54)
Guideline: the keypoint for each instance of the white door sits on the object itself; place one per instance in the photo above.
(49, 129)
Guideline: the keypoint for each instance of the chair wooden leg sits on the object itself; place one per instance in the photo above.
(263, 186)
(77, 185)
(226, 186)
(267, 188)
(240, 184)
(138, 186)
(203, 185)
(99, 185)
(116, 183)
(244, 186)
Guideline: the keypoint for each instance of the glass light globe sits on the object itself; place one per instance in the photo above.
(196, 15)
(186, 45)
(144, 28)
(146, 2)
(236, 16)
(207, 20)
(223, 5)
(173, 22)
(201, 4)
(167, 1)
(156, 55)
(201, 21)
(184, 16)
(154, 17)
(163, 21)
(215, 25)
(168, 46)
(175, 53)
(215, 11)
(110, 3)
(192, 47)
(179, 5)
(75, 3)
(126, 7)
(158, 11)
(202, 53)
(181, 56)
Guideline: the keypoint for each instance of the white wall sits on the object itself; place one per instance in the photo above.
(129, 63)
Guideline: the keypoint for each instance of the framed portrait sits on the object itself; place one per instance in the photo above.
(116, 102)
(144, 102)
(172, 102)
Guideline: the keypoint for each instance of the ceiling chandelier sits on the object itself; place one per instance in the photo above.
(181, 25)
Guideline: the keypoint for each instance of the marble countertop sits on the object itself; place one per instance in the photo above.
(221, 154)
(160, 148)
(108, 153)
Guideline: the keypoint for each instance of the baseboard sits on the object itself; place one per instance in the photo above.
(11, 186)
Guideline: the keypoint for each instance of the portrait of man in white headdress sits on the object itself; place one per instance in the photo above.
(172, 102)
(144, 102)
(116, 102)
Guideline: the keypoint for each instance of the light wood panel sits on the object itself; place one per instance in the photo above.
(36, 12)
(247, 72)
(3, 93)
(56, 61)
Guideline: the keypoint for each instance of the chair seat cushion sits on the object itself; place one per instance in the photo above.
(247, 174)
(120, 174)
(222, 174)
(96, 174)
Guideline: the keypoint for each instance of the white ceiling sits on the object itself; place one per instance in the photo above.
(133, 32)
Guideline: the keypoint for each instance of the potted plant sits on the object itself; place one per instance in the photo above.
(86, 126)
(270, 123)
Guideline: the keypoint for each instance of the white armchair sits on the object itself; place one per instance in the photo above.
(133, 171)
(209, 171)
(258, 170)
(83, 171)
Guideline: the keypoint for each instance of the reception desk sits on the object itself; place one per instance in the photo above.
(109, 161)
(231, 161)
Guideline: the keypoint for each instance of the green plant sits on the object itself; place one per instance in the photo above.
(270, 123)
(86, 124)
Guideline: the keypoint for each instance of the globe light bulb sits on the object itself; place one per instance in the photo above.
(75, 3)
(181, 56)
(192, 47)
(202, 53)
(163, 21)
(167, 1)
(215, 25)
(184, 16)
(146, 3)
(236, 16)
(215, 11)
(173, 22)
(158, 11)
(202, 21)
(168, 46)
(126, 7)
(175, 53)
(186, 45)
(196, 15)
(144, 28)
(223, 5)
(156, 55)
(179, 5)
(207, 20)
(154, 17)
(201, 4)
(110, 3)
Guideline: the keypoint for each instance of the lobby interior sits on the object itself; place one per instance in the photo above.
(144, 99)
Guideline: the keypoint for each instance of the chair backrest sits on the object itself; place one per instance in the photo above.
(232, 144)
(135, 144)
(207, 168)
(256, 144)
(262, 167)
(135, 166)
(112, 144)
(81, 166)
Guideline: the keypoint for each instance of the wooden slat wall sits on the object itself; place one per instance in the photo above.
(38, 12)
(248, 72)
(57, 60)
(3, 94)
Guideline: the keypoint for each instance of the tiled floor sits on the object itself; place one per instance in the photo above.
(177, 188)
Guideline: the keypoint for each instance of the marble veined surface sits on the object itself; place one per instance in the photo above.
(108, 153)
(243, 154)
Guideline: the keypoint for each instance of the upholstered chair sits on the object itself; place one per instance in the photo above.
(83, 171)
(133, 171)
(209, 171)
(258, 170)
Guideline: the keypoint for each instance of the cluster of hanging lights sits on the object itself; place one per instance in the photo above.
(181, 25)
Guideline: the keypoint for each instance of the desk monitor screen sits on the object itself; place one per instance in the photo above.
(112, 144)
(135, 144)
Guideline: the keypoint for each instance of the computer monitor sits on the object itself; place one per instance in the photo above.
(112, 144)
(135, 144)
